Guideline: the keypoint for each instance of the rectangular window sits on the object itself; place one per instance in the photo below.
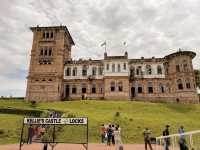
(107, 67)
(139, 89)
(150, 89)
(93, 90)
(84, 90)
(113, 67)
(177, 68)
(112, 89)
(73, 90)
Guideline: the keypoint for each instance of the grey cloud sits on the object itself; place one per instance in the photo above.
(150, 28)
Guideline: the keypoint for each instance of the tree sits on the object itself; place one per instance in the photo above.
(197, 77)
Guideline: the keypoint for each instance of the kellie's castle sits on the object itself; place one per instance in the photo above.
(54, 75)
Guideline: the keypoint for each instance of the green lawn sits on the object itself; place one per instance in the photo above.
(133, 118)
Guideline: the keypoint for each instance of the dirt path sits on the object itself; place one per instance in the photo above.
(71, 147)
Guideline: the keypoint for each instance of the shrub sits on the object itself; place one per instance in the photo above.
(117, 114)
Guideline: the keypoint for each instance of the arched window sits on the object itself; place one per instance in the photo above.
(132, 71)
(140, 89)
(94, 70)
(120, 86)
(178, 68)
(185, 65)
(167, 88)
(112, 86)
(74, 72)
(93, 88)
(150, 87)
(68, 72)
(50, 51)
(100, 70)
(118, 68)
(124, 66)
(161, 88)
(74, 89)
(45, 52)
(139, 70)
(148, 69)
(159, 69)
(180, 84)
(113, 67)
(41, 52)
(51, 34)
(188, 86)
(84, 70)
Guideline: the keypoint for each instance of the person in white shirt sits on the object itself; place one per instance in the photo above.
(118, 141)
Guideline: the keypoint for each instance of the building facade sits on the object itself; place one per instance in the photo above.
(54, 75)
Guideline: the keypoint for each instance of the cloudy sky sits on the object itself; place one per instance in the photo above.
(150, 28)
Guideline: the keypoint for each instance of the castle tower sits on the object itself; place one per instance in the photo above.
(50, 47)
(180, 72)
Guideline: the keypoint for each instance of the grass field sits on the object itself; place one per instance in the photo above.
(133, 117)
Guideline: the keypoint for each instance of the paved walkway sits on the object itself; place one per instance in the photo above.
(71, 147)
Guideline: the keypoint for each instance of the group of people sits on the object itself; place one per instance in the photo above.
(111, 135)
(166, 144)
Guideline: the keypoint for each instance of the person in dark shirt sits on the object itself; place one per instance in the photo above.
(30, 134)
(110, 133)
(166, 140)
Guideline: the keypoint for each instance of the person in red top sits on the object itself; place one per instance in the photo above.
(103, 133)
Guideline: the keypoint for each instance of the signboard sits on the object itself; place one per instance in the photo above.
(56, 121)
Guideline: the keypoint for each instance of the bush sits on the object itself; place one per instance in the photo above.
(117, 114)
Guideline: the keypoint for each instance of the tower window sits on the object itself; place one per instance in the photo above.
(180, 84)
(188, 84)
(47, 35)
(41, 52)
(50, 52)
(51, 34)
(177, 68)
(43, 36)
(45, 52)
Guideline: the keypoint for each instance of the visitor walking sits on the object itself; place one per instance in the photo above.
(30, 134)
(182, 141)
(166, 140)
(113, 136)
(103, 133)
(147, 137)
(109, 134)
(117, 137)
